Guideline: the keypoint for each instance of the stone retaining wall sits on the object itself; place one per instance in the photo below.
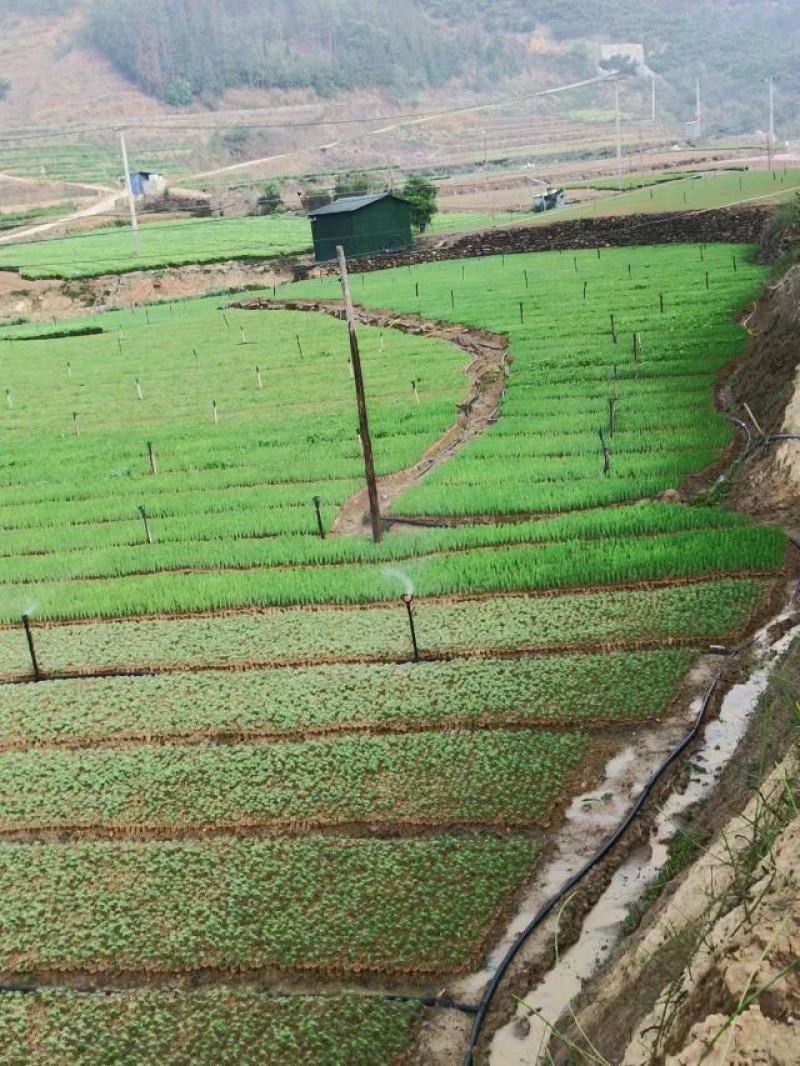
(742, 225)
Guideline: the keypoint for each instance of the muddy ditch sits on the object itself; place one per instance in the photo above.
(576, 939)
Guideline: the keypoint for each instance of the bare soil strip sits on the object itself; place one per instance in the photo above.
(234, 738)
(373, 828)
(520, 652)
(487, 374)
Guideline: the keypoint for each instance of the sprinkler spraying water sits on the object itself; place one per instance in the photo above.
(408, 600)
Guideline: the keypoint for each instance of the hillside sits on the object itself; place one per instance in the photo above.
(62, 60)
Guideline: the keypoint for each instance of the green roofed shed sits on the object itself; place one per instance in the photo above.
(363, 225)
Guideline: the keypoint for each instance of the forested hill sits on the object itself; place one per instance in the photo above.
(182, 51)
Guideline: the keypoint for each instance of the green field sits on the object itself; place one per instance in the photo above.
(707, 611)
(567, 365)
(231, 510)
(174, 244)
(226, 1027)
(697, 192)
(288, 702)
(80, 162)
(162, 244)
(235, 774)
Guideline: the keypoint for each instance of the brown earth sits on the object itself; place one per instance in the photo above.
(487, 375)
(767, 380)
(42, 301)
(720, 933)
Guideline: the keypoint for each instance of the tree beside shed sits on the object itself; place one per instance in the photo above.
(363, 225)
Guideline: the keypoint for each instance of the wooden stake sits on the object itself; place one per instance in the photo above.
(69, 370)
(9, 401)
(416, 290)
(661, 300)
(227, 323)
(521, 312)
(75, 425)
(363, 420)
(147, 532)
(452, 300)
(735, 265)
(320, 526)
(585, 285)
(147, 315)
(575, 261)
(525, 272)
(153, 458)
(415, 390)
(196, 359)
(708, 280)
(613, 329)
(299, 345)
(606, 454)
(755, 423)
(139, 389)
(258, 378)
(216, 413)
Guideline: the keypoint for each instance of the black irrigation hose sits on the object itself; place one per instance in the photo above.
(767, 442)
(744, 427)
(548, 907)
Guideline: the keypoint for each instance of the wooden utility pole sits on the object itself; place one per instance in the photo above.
(363, 422)
(618, 125)
(129, 191)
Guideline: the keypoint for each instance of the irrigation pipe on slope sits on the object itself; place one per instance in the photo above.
(547, 908)
(550, 905)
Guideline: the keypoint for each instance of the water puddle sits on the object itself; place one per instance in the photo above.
(590, 817)
(522, 1041)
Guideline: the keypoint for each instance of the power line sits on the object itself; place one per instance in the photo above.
(46, 132)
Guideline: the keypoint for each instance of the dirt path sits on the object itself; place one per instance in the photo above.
(487, 375)
(100, 207)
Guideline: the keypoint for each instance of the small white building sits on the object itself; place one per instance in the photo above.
(630, 50)
(148, 183)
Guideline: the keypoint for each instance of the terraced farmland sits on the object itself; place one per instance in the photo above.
(236, 801)
(694, 192)
(162, 244)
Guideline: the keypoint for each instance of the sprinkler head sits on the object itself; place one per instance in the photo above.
(408, 599)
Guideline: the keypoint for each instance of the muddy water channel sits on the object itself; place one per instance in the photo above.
(594, 815)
